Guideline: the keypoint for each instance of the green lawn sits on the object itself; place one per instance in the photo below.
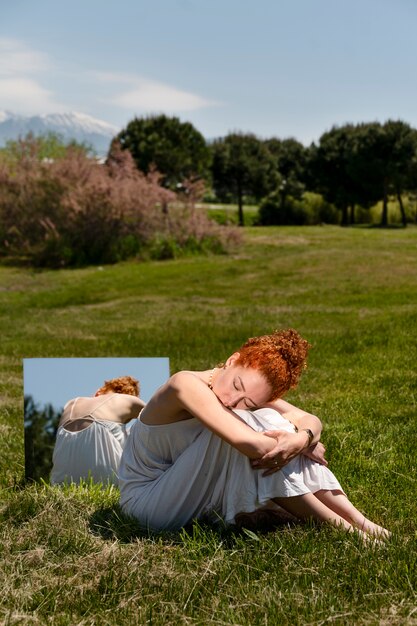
(228, 213)
(69, 557)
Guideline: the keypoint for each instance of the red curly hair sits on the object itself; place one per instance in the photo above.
(280, 357)
(123, 384)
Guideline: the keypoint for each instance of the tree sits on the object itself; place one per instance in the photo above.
(41, 424)
(332, 170)
(242, 165)
(365, 163)
(48, 147)
(176, 149)
(385, 161)
(403, 170)
(291, 160)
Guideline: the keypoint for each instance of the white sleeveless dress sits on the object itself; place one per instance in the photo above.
(92, 453)
(173, 473)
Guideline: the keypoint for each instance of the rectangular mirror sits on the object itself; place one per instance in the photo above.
(52, 384)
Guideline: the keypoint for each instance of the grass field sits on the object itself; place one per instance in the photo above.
(69, 557)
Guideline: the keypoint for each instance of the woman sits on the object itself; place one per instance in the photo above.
(92, 433)
(189, 456)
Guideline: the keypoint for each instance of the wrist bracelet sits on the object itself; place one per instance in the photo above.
(310, 435)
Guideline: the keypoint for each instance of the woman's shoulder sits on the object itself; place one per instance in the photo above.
(117, 398)
(179, 386)
(184, 378)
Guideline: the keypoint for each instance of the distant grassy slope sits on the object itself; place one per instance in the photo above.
(353, 294)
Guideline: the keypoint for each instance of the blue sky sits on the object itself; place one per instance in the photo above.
(273, 67)
(55, 381)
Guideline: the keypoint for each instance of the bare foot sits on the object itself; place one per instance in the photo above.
(372, 529)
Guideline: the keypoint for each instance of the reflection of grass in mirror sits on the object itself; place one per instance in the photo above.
(352, 293)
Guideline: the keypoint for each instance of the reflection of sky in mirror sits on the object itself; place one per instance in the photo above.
(55, 381)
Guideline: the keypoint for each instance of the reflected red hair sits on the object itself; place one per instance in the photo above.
(123, 384)
(280, 357)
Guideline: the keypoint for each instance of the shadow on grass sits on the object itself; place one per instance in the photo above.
(110, 523)
(388, 226)
(378, 226)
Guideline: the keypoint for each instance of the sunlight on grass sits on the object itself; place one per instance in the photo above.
(69, 556)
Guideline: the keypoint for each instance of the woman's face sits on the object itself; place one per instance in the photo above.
(240, 387)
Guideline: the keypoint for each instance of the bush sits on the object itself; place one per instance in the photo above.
(74, 212)
(186, 230)
(394, 214)
(272, 212)
(310, 209)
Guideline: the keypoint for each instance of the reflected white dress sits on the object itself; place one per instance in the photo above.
(94, 452)
(173, 473)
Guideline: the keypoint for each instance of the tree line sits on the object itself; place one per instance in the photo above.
(350, 167)
(59, 207)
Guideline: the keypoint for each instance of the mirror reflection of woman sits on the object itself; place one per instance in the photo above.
(92, 433)
(203, 448)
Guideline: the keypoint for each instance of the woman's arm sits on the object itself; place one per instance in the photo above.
(301, 419)
(288, 445)
(186, 394)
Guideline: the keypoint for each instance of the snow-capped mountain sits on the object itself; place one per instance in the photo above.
(78, 126)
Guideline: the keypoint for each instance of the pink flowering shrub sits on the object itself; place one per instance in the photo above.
(72, 211)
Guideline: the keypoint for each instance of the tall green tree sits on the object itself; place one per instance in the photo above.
(365, 163)
(385, 161)
(332, 171)
(176, 149)
(242, 166)
(403, 171)
(291, 161)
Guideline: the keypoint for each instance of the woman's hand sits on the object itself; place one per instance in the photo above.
(316, 453)
(287, 447)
